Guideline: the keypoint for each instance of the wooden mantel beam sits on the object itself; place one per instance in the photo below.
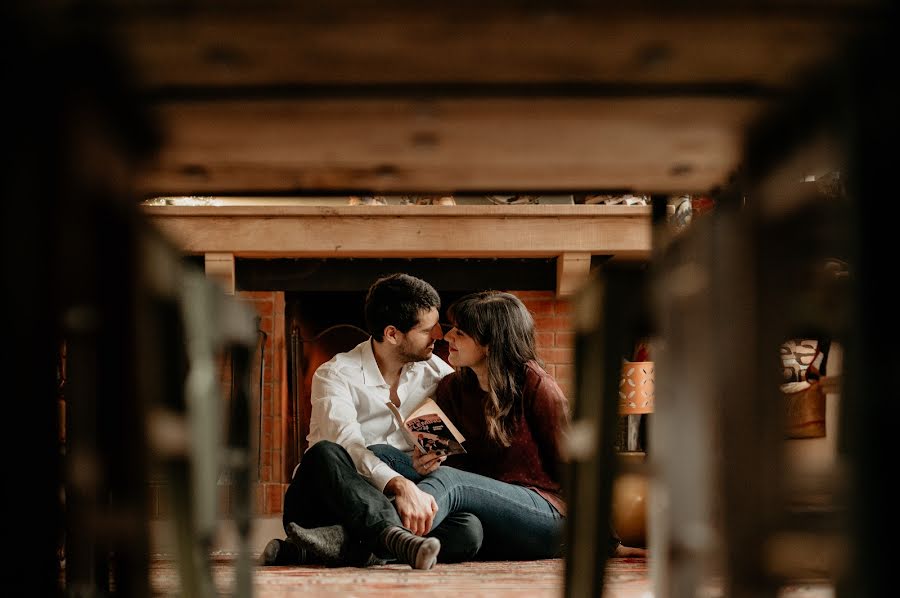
(408, 231)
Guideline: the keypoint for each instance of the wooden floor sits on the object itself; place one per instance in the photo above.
(626, 578)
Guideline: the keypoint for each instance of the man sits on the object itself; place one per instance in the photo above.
(340, 485)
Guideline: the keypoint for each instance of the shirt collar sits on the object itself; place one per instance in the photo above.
(371, 374)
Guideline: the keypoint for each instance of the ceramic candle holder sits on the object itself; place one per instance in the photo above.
(637, 388)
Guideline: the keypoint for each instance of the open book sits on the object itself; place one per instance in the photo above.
(429, 428)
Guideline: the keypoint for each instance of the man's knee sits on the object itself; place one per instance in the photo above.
(471, 533)
(320, 463)
(461, 537)
(323, 452)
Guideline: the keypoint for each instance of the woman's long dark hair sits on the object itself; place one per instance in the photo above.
(502, 323)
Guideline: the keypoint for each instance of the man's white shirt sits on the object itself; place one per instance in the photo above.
(349, 406)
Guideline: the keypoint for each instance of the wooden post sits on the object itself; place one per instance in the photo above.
(572, 269)
(220, 266)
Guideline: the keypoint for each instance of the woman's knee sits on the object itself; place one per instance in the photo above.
(396, 460)
(387, 453)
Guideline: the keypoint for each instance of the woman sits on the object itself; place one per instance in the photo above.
(513, 415)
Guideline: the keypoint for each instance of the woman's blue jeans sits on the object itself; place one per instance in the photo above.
(519, 523)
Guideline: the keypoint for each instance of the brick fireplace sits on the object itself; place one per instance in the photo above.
(285, 423)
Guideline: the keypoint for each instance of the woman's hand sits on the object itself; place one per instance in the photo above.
(427, 462)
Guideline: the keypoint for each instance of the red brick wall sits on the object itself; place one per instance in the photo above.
(555, 346)
(555, 338)
(270, 489)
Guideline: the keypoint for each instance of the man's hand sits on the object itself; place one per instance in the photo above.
(425, 463)
(416, 508)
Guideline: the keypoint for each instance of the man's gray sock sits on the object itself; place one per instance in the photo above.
(324, 542)
(331, 546)
(409, 548)
(282, 552)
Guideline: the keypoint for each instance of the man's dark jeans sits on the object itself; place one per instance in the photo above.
(327, 490)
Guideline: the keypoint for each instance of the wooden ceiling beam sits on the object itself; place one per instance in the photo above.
(664, 145)
(390, 42)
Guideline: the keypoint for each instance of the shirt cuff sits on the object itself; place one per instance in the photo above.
(381, 475)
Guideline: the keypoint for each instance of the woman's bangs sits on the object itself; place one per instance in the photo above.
(462, 316)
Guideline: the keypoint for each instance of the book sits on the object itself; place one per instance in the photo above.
(429, 428)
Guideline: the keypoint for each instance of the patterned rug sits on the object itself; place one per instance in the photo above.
(626, 578)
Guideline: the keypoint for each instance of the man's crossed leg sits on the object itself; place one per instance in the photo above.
(332, 516)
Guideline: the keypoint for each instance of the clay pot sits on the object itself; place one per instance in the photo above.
(805, 410)
(629, 502)
(637, 393)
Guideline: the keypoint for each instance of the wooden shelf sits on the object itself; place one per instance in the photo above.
(408, 231)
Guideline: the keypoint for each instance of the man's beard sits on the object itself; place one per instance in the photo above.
(407, 355)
